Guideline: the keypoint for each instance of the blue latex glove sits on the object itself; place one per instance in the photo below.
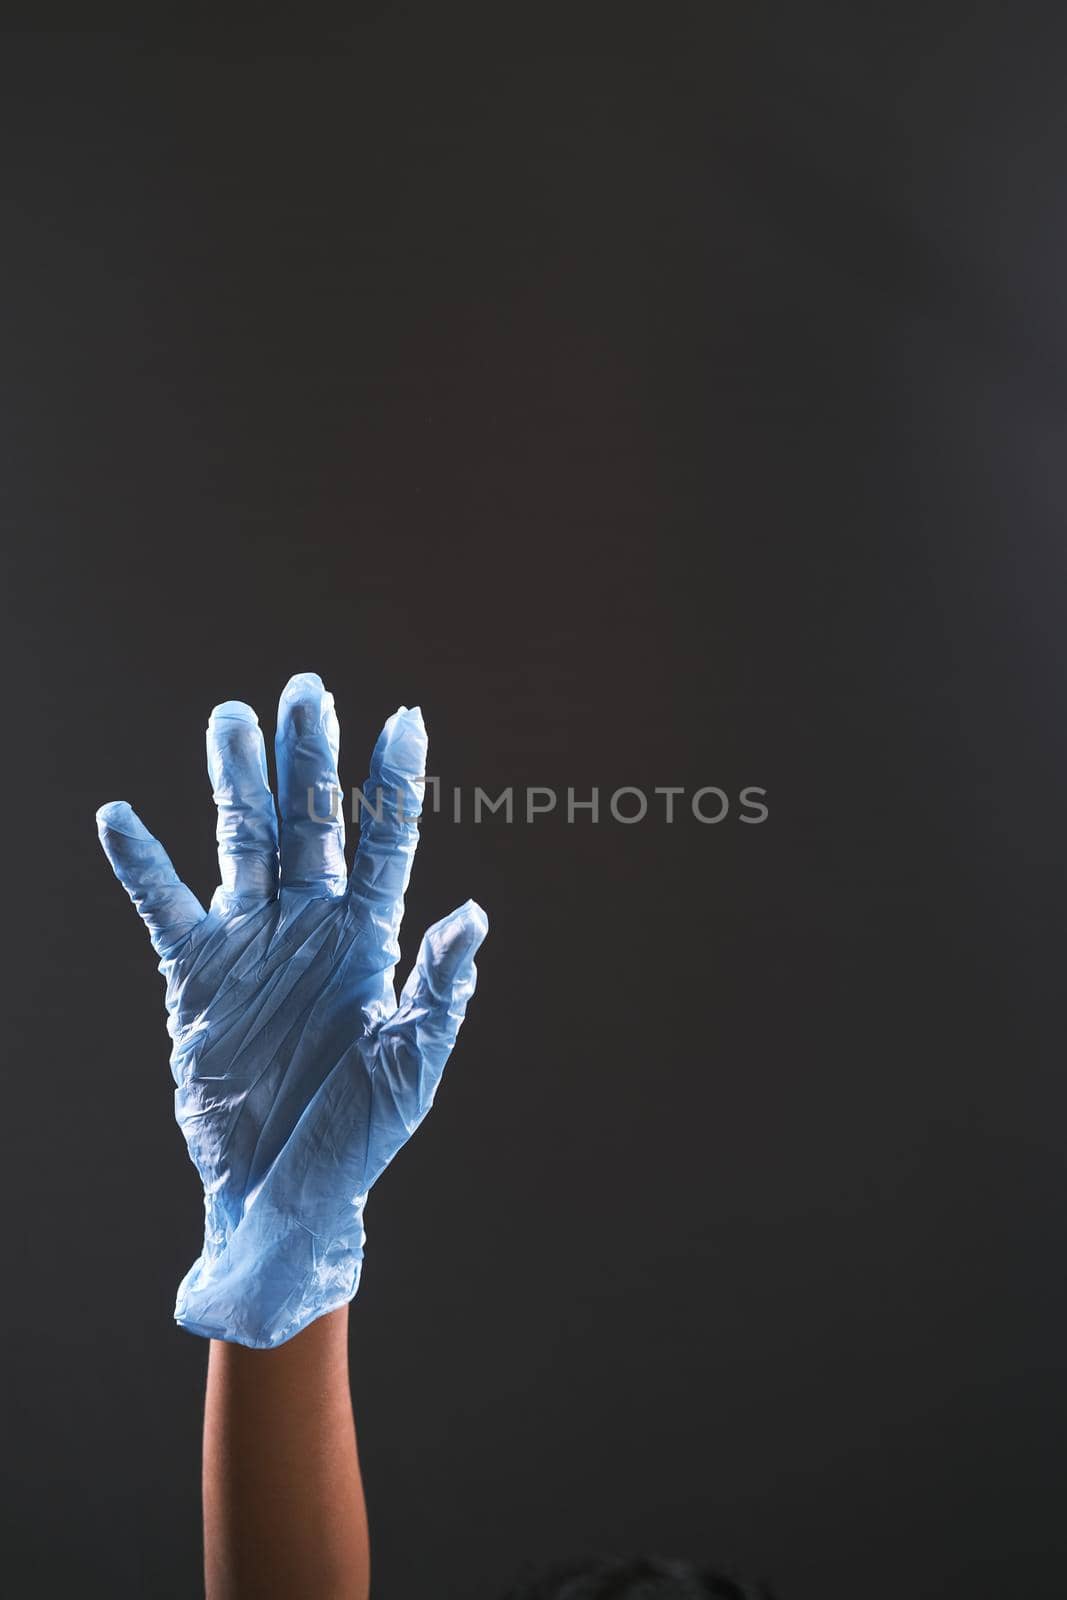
(298, 1075)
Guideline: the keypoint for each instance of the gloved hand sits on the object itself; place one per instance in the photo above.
(298, 1074)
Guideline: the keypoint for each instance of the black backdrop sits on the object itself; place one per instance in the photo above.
(664, 397)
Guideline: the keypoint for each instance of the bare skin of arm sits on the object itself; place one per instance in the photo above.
(284, 1514)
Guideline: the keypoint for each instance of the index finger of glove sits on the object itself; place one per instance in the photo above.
(390, 807)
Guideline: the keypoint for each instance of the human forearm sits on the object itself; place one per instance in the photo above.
(283, 1501)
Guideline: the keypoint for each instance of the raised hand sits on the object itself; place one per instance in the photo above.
(298, 1074)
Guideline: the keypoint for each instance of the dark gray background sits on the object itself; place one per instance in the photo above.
(673, 396)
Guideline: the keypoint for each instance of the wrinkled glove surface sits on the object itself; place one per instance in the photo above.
(298, 1075)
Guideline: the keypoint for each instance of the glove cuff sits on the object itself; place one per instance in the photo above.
(270, 1278)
